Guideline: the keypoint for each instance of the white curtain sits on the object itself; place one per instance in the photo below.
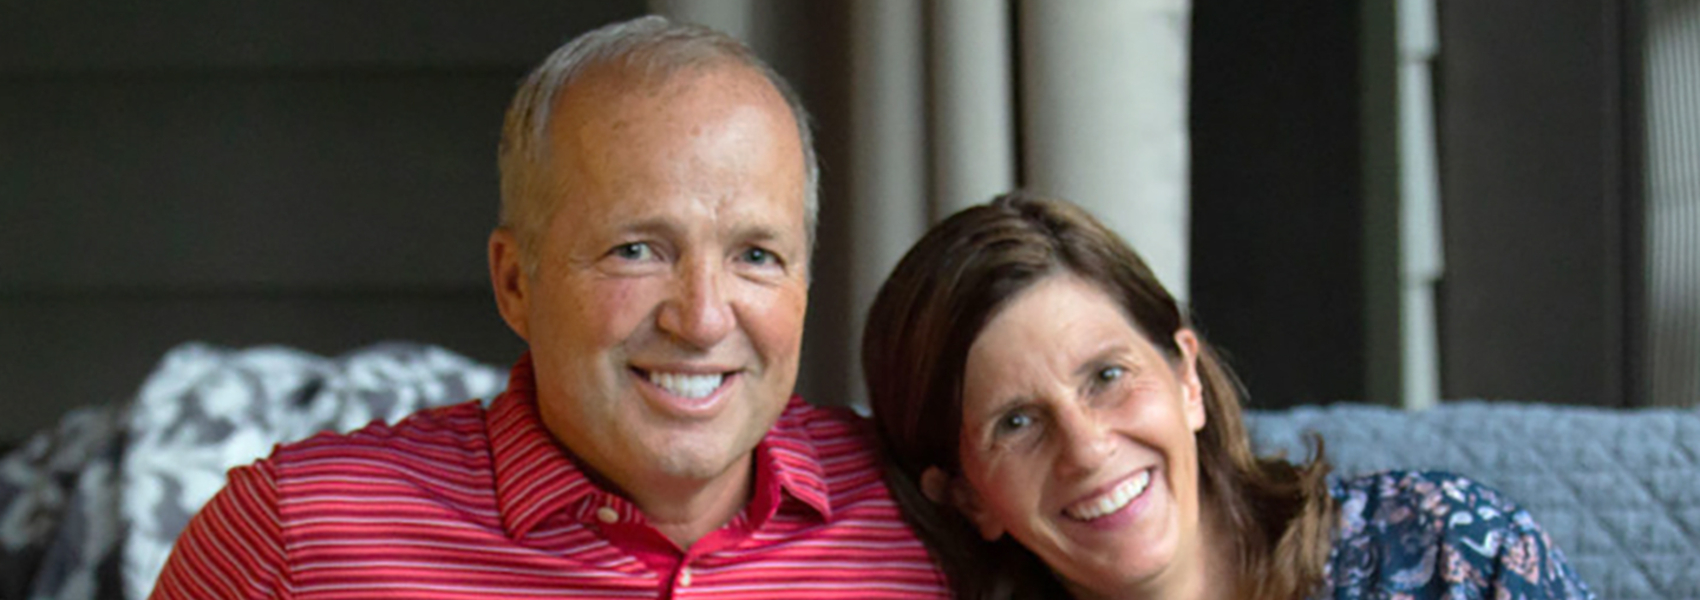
(950, 102)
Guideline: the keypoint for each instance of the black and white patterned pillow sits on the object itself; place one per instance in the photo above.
(59, 509)
(205, 410)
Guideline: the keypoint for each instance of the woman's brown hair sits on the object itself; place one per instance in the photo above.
(915, 349)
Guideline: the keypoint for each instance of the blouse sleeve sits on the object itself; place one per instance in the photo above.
(233, 547)
(1528, 565)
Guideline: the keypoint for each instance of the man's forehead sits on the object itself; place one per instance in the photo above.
(607, 106)
(649, 148)
(735, 216)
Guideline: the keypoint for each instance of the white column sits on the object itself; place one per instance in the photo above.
(973, 115)
(1104, 96)
(887, 170)
(1671, 342)
(1420, 248)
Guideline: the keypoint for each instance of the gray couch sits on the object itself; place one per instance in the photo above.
(89, 510)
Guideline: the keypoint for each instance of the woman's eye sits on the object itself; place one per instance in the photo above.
(634, 251)
(1110, 374)
(1014, 422)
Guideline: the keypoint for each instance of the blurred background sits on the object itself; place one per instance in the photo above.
(1395, 202)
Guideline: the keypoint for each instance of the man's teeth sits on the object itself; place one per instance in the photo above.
(1113, 501)
(689, 386)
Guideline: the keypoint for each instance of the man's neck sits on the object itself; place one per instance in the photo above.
(685, 512)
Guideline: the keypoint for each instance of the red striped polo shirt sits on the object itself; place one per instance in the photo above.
(464, 502)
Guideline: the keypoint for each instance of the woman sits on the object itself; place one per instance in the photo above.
(1056, 427)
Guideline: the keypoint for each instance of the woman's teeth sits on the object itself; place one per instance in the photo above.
(687, 385)
(1113, 501)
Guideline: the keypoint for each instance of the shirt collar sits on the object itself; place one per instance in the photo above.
(537, 478)
(787, 453)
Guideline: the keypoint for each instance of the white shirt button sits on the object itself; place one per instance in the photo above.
(685, 577)
(607, 514)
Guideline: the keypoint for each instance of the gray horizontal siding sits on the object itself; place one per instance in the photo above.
(317, 174)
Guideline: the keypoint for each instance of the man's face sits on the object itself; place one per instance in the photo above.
(665, 316)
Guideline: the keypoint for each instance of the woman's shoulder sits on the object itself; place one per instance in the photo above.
(1434, 532)
(1405, 515)
(1397, 499)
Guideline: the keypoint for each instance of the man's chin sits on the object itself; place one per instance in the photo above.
(702, 453)
(688, 468)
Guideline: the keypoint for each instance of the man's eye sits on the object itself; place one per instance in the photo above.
(633, 251)
(760, 256)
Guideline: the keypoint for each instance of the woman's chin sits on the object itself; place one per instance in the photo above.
(1119, 552)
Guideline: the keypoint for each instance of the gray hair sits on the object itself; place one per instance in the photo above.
(656, 47)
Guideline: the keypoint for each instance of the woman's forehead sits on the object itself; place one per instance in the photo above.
(1048, 332)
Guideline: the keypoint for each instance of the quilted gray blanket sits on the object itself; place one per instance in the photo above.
(1619, 491)
(90, 509)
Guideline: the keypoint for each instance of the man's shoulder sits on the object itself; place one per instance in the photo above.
(829, 422)
(446, 434)
(830, 433)
(834, 465)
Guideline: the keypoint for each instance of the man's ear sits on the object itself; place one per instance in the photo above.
(1192, 388)
(943, 489)
(509, 280)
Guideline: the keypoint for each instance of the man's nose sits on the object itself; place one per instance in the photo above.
(1086, 440)
(697, 313)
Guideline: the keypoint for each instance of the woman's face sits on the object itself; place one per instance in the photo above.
(1077, 439)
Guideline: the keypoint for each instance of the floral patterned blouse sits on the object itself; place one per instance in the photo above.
(1422, 534)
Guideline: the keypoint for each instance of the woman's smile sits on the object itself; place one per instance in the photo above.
(1113, 501)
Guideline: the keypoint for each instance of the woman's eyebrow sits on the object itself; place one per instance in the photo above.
(1108, 354)
(1001, 406)
(1003, 403)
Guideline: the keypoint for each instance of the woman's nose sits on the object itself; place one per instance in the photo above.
(1086, 440)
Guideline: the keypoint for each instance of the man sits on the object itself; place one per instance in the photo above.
(658, 202)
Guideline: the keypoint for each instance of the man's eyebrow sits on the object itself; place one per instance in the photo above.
(654, 224)
(759, 232)
(762, 231)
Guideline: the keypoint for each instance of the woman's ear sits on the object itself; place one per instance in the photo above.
(935, 485)
(943, 489)
(1192, 388)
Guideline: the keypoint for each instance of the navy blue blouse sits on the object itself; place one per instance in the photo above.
(1419, 535)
